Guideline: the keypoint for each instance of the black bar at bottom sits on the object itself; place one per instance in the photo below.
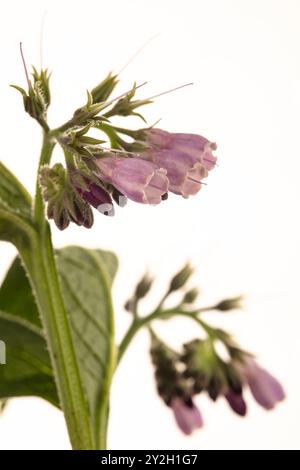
(126, 458)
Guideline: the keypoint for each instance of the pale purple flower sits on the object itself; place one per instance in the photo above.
(187, 415)
(185, 174)
(236, 402)
(194, 145)
(266, 390)
(139, 180)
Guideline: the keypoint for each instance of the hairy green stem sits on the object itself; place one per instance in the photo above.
(40, 263)
(45, 157)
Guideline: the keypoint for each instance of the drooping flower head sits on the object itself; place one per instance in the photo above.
(211, 373)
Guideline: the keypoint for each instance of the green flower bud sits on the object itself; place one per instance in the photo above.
(141, 291)
(37, 99)
(143, 287)
(180, 279)
(229, 304)
(41, 86)
(103, 91)
(190, 296)
(129, 305)
(126, 107)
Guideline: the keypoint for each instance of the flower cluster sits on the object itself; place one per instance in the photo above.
(170, 162)
(180, 377)
(143, 166)
(202, 366)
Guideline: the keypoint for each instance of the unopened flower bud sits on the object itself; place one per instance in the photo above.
(229, 304)
(141, 291)
(37, 98)
(180, 279)
(129, 305)
(59, 215)
(143, 287)
(93, 192)
(65, 205)
(79, 211)
(126, 107)
(103, 91)
(190, 296)
(41, 85)
(236, 403)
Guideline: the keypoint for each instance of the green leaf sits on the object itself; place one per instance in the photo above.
(16, 230)
(13, 196)
(86, 277)
(27, 370)
(20, 89)
(16, 296)
(15, 210)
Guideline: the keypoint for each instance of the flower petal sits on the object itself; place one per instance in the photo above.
(188, 418)
(266, 390)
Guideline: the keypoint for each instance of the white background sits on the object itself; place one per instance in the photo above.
(241, 231)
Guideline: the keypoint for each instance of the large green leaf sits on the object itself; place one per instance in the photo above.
(16, 296)
(86, 277)
(15, 210)
(13, 196)
(27, 370)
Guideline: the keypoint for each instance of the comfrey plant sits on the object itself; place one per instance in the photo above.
(56, 313)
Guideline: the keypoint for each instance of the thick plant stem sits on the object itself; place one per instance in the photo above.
(40, 263)
(41, 267)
